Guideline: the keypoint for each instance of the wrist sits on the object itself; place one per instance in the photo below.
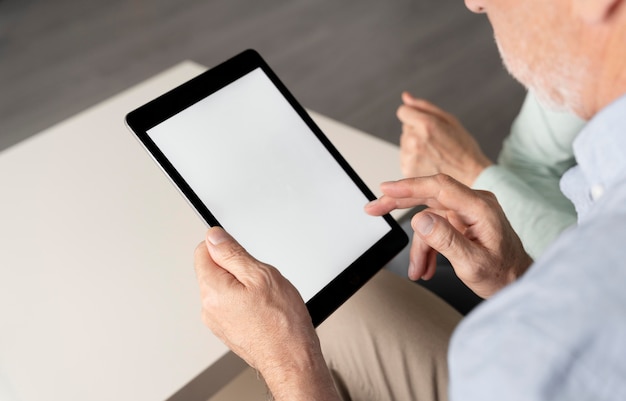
(475, 170)
(304, 375)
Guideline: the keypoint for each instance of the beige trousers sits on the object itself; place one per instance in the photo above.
(389, 342)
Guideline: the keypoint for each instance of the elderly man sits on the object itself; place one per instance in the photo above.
(553, 330)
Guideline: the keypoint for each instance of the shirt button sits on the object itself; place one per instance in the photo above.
(597, 191)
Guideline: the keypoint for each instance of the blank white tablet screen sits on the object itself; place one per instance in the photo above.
(270, 182)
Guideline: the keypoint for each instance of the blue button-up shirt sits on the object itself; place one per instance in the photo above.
(559, 333)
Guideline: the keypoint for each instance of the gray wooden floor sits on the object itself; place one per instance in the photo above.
(348, 59)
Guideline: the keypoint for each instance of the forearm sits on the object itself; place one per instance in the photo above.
(305, 377)
(539, 165)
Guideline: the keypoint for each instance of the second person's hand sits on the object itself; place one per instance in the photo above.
(434, 141)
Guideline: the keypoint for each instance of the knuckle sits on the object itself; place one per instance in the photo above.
(447, 242)
(405, 114)
(445, 181)
(408, 139)
(422, 127)
(233, 252)
(262, 278)
(417, 122)
(210, 303)
(264, 286)
(428, 126)
(486, 200)
(487, 195)
(200, 249)
(440, 238)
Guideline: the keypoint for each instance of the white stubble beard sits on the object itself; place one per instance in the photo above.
(557, 83)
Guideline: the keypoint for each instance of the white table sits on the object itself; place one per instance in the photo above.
(98, 298)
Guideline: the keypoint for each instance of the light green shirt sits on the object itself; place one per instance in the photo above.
(526, 179)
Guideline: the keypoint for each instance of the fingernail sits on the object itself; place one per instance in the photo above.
(217, 235)
(425, 224)
(372, 203)
(412, 269)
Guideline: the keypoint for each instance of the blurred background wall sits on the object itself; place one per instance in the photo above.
(348, 59)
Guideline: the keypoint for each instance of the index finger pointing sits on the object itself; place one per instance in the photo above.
(439, 191)
(404, 194)
(441, 187)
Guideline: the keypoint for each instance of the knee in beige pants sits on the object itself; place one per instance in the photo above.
(389, 342)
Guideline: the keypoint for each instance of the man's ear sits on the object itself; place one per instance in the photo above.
(597, 11)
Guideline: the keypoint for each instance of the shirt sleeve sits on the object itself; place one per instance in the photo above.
(536, 220)
(526, 180)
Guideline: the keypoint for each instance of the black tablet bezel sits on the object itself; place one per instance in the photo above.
(162, 108)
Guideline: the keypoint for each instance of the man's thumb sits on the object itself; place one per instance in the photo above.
(227, 252)
(439, 234)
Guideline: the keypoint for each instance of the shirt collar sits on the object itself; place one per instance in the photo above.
(600, 151)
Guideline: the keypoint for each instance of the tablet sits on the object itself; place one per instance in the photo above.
(249, 158)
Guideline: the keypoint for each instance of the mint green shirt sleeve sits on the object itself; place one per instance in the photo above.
(526, 179)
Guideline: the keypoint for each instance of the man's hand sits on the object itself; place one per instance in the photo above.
(468, 227)
(434, 141)
(259, 315)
